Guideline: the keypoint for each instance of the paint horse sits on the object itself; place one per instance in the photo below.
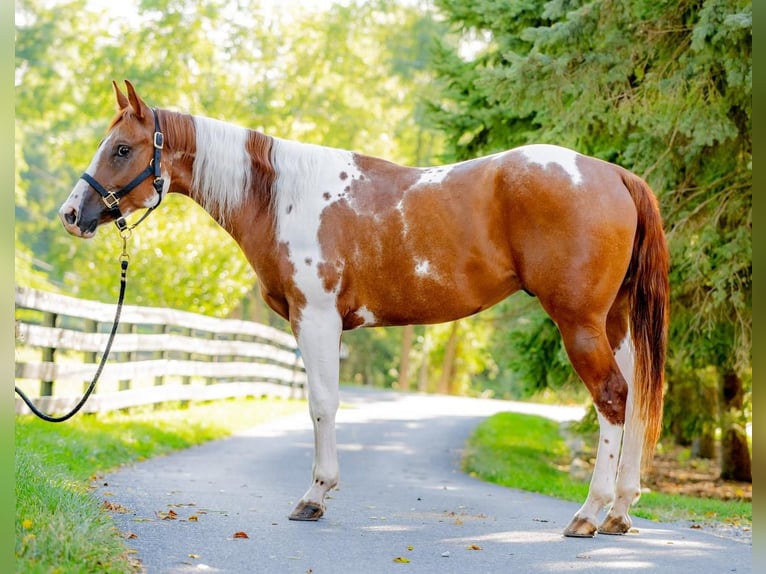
(341, 240)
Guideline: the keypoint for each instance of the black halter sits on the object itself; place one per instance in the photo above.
(112, 198)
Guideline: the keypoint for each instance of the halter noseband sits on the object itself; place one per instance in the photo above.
(112, 198)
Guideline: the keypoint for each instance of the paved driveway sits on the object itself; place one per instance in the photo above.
(403, 505)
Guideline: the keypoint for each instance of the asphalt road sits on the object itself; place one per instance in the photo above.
(403, 505)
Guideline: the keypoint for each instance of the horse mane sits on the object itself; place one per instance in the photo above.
(231, 164)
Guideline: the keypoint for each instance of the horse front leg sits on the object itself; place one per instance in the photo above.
(319, 341)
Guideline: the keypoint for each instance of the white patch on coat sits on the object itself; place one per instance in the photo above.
(545, 154)
(221, 171)
(422, 267)
(151, 201)
(433, 175)
(367, 316)
(308, 179)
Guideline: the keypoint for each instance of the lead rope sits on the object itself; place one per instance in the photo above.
(124, 259)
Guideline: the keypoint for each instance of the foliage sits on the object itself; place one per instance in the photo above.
(663, 88)
(59, 525)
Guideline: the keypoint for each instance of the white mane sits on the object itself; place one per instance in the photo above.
(221, 172)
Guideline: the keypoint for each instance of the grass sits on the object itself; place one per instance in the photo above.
(60, 528)
(528, 452)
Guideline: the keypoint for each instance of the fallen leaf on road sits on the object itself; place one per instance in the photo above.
(410, 548)
(194, 556)
(401, 560)
(193, 518)
(130, 535)
(473, 547)
(169, 515)
(113, 507)
(241, 534)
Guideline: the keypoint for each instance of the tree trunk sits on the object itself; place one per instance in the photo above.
(735, 456)
(704, 445)
(423, 374)
(449, 361)
(404, 358)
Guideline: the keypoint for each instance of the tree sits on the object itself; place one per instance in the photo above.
(663, 88)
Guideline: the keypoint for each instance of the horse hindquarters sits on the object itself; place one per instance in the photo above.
(620, 357)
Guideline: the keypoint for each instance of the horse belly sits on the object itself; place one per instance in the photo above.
(424, 287)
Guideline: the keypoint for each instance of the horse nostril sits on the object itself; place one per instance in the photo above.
(71, 216)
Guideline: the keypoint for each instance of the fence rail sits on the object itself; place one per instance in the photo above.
(158, 355)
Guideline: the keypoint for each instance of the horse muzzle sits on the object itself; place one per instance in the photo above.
(77, 225)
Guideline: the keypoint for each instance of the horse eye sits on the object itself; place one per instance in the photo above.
(123, 151)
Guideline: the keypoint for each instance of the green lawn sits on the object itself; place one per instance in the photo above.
(59, 526)
(529, 453)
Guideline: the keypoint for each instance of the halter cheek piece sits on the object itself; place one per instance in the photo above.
(112, 198)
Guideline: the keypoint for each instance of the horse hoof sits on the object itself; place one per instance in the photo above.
(615, 525)
(307, 511)
(580, 528)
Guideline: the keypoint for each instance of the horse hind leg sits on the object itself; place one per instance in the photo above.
(591, 355)
(628, 485)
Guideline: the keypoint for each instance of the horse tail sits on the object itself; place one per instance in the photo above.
(647, 280)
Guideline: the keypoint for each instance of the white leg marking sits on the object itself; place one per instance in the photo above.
(601, 491)
(628, 487)
(319, 340)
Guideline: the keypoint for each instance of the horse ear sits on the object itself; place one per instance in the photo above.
(135, 102)
(122, 101)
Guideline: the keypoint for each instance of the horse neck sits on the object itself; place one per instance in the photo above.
(225, 168)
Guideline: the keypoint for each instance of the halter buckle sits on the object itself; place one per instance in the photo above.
(111, 200)
(159, 140)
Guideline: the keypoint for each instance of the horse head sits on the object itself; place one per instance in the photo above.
(124, 175)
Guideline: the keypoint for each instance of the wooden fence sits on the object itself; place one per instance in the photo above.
(158, 355)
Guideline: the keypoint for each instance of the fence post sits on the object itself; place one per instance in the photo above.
(124, 384)
(89, 326)
(162, 330)
(46, 387)
(211, 380)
